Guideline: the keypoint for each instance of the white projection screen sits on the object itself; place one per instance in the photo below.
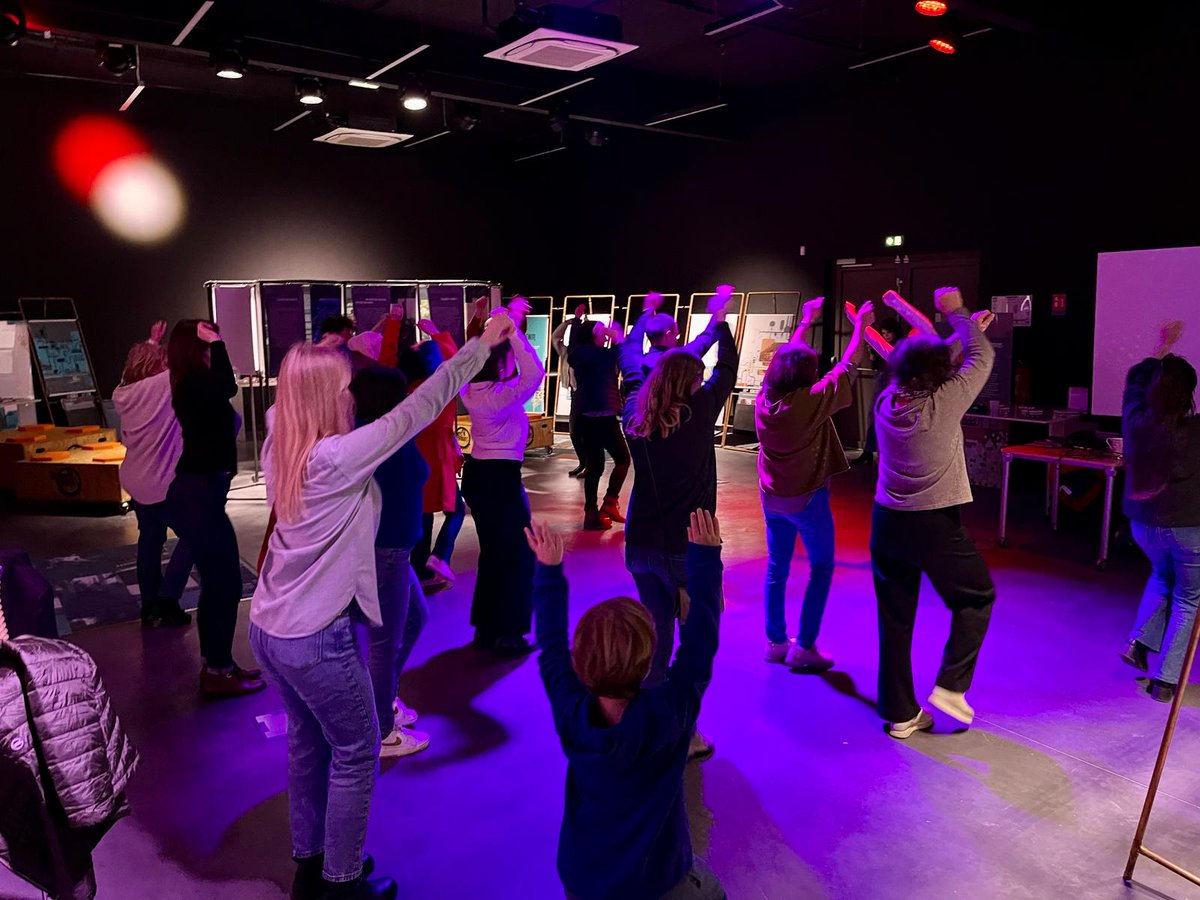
(1136, 292)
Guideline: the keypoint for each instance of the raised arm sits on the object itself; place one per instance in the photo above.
(550, 613)
(810, 313)
(878, 343)
(698, 634)
(718, 308)
(834, 387)
(720, 382)
(978, 355)
(530, 373)
(389, 347)
(909, 313)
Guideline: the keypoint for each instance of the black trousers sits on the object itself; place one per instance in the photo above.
(573, 431)
(502, 606)
(600, 434)
(196, 512)
(905, 545)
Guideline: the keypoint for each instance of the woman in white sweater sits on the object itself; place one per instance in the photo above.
(502, 608)
(153, 442)
(317, 594)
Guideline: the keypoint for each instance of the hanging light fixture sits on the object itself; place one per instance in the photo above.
(931, 7)
(310, 91)
(945, 42)
(116, 58)
(414, 97)
(228, 61)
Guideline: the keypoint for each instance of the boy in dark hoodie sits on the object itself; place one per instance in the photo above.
(625, 831)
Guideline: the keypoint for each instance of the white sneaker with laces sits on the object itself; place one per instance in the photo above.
(441, 569)
(922, 721)
(953, 704)
(404, 715)
(403, 742)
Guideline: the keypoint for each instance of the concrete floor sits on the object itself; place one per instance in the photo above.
(805, 798)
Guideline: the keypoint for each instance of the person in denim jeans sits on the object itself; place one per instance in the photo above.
(318, 589)
(799, 451)
(1162, 501)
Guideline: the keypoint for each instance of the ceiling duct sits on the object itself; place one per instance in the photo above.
(560, 37)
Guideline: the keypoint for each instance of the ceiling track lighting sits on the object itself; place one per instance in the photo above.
(228, 61)
(931, 7)
(415, 97)
(116, 58)
(12, 23)
(310, 91)
(945, 42)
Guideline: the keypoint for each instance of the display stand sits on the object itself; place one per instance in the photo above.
(696, 323)
(1138, 848)
(17, 398)
(62, 360)
(600, 308)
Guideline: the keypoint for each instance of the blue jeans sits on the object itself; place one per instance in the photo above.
(443, 547)
(660, 578)
(152, 535)
(814, 523)
(1168, 608)
(333, 739)
(404, 610)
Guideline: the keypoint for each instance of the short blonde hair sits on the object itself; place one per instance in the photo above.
(614, 645)
(144, 360)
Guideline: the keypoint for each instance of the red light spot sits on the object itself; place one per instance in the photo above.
(941, 45)
(931, 7)
(89, 143)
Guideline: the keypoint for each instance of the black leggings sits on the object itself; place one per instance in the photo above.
(600, 434)
(903, 546)
(502, 606)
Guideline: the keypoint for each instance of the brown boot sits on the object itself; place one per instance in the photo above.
(234, 683)
(593, 521)
(611, 507)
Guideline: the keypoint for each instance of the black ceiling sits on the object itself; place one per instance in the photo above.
(677, 67)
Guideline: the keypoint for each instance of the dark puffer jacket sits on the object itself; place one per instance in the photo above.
(65, 762)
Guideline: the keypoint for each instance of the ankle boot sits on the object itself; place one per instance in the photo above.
(308, 884)
(361, 889)
(593, 521)
(611, 507)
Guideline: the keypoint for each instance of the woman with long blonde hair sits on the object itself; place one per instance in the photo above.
(669, 417)
(317, 594)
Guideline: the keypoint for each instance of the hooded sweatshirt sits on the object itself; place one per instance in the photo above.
(921, 461)
(798, 448)
(152, 437)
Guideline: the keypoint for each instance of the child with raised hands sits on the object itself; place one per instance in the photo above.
(625, 830)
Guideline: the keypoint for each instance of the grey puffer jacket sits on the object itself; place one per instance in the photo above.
(65, 761)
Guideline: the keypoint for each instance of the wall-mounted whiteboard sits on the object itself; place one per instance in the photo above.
(1136, 292)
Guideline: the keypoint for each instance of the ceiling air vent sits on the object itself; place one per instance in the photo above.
(561, 50)
(362, 137)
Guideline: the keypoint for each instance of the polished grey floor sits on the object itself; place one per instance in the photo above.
(805, 798)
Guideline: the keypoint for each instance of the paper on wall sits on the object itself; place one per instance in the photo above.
(8, 336)
(6, 361)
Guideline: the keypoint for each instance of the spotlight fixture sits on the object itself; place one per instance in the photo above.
(931, 7)
(595, 137)
(12, 23)
(116, 58)
(415, 98)
(944, 42)
(466, 116)
(228, 62)
(310, 91)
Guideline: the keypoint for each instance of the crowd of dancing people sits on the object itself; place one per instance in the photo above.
(362, 466)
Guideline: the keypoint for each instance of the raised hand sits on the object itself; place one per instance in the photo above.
(704, 529)
(909, 313)
(546, 545)
(948, 300)
(894, 301)
(653, 302)
(718, 303)
(429, 327)
(983, 318)
(1168, 336)
(616, 333)
(207, 332)
(518, 308)
(158, 331)
(581, 311)
(498, 329)
(811, 311)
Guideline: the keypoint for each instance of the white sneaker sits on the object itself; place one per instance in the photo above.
(953, 704)
(441, 569)
(810, 659)
(700, 748)
(404, 715)
(777, 653)
(922, 721)
(403, 742)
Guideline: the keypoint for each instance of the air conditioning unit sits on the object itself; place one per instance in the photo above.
(363, 137)
(561, 37)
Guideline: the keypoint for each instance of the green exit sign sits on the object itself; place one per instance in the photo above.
(894, 240)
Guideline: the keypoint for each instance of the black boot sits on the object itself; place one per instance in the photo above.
(170, 615)
(578, 471)
(1161, 691)
(362, 889)
(1134, 655)
(594, 521)
(310, 885)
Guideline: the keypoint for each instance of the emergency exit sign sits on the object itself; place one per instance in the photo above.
(894, 240)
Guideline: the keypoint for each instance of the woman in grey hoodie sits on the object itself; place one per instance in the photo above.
(153, 442)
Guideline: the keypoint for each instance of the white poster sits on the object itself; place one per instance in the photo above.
(762, 335)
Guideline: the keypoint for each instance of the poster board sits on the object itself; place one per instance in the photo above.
(537, 329)
(58, 344)
(762, 335)
(324, 300)
(283, 316)
(368, 304)
(233, 311)
(447, 309)
(16, 366)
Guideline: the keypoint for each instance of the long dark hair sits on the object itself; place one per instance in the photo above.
(186, 353)
(661, 401)
(1172, 391)
(921, 364)
(376, 391)
(499, 366)
(791, 369)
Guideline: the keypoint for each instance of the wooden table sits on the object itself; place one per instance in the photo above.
(1055, 458)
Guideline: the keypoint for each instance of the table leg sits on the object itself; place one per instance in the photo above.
(1055, 470)
(1003, 539)
(1110, 475)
